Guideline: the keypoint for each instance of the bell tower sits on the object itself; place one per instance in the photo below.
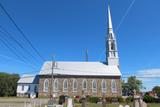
(111, 45)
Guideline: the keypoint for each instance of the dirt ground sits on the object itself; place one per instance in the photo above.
(22, 102)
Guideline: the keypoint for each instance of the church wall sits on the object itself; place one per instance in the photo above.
(79, 80)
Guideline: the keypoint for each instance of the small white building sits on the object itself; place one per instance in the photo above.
(27, 85)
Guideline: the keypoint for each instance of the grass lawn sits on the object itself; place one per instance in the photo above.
(114, 105)
(153, 105)
(98, 105)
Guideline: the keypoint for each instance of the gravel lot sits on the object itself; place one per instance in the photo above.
(22, 102)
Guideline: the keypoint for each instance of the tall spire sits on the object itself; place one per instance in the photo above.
(111, 45)
(109, 18)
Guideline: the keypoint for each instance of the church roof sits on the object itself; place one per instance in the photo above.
(80, 69)
(29, 80)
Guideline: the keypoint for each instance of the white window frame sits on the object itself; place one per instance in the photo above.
(104, 88)
(113, 86)
(65, 89)
(94, 89)
(55, 88)
(84, 89)
(75, 88)
(45, 88)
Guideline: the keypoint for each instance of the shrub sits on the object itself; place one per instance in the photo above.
(76, 100)
(94, 99)
(148, 99)
(120, 99)
(88, 98)
(108, 99)
(129, 99)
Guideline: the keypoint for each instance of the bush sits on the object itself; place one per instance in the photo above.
(88, 98)
(76, 100)
(148, 99)
(94, 99)
(129, 99)
(121, 100)
(108, 99)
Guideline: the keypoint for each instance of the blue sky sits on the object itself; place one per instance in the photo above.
(67, 28)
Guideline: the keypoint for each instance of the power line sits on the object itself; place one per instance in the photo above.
(22, 33)
(10, 58)
(5, 42)
(124, 16)
(121, 21)
(7, 34)
(13, 48)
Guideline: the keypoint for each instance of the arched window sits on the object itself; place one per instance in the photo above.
(75, 85)
(55, 85)
(65, 85)
(113, 86)
(46, 84)
(104, 86)
(94, 86)
(84, 85)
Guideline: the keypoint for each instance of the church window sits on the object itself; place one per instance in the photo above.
(111, 36)
(84, 85)
(113, 86)
(104, 86)
(75, 85)
(112, 46)
(55, 85)
(65, 85)
(46, 85)
(94, 86)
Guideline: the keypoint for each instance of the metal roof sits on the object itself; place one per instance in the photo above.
(80, 69)
(29, 79)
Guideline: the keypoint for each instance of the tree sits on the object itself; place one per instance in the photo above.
(156, 89)
(132, 84)
(8, 84)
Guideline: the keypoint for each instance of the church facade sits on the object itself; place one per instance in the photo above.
(89, 78)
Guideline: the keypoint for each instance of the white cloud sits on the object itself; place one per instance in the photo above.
(149, 73)
(149, 77)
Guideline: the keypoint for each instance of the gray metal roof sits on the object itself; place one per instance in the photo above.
(29, 79)
(80, 69)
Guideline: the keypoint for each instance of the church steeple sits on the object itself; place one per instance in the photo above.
(109, 19)
(111, 45)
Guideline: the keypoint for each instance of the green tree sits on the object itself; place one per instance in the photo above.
(156, 89)
(132, 84)
(8, 84)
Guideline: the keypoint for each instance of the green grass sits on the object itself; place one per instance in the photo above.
(153, 105)
(97, 105)
(114, 105)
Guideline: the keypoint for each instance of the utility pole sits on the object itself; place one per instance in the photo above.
(86, 55)
(51, 88)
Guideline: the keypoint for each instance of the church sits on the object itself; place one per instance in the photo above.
(83, 78)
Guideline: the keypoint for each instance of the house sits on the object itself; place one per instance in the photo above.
(27, 85)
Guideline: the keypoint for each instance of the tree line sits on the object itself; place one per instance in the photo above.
(8, 84)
